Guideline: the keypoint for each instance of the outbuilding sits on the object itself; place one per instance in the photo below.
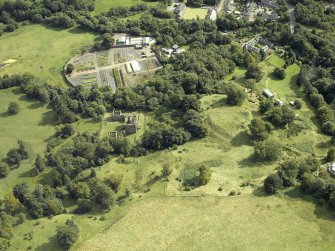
(331, 169)
(138, 46)
(135, 66)
(167, 51)
(267, 93)
(146, 41)
(175, 47)
(128, 68)
(212, 14)
(121, 41)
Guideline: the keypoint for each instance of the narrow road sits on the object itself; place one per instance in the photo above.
(291, 9)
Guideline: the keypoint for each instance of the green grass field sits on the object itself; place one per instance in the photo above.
(160, 215)
(42, 51)
(230, 223)
(33, 125)
(105, 5)
(193, 13)
(214, 223)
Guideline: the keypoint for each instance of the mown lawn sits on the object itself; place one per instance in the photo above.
(193, 13)
(42, 51)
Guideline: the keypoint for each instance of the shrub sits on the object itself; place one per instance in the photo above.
(67, 234)
(104, 195)
(254, 71)
(288, 171)
(39, 163)
(298, 104)
(259, 130)
(235, 93)
(328, 127)
(37, 18)
(279, 73)
(330, 155)
(83, 206)
(272, 184)
(280, 116)
(232, 193)
(205, 175)
(4, 169)
(195, 124)
(308, 165)
(166, 170)
(80, 190)
(265, 105)
(312, 184)
(114, 181)
(69, 68)
(13, 108)
(325, 113)
(14, 156)
(316, 100)
(268, 150)
(250, 84)
(65, 131)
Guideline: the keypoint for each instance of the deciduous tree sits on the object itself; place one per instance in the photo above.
(67, 234)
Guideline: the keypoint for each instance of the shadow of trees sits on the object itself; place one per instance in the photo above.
(242, 138)
(259, 192)
(220, 103)
(51, 244)
(250, 161)
(4, 114)
(191, 182)
(48, 118)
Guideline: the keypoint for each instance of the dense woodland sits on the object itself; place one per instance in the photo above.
(211, 56)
